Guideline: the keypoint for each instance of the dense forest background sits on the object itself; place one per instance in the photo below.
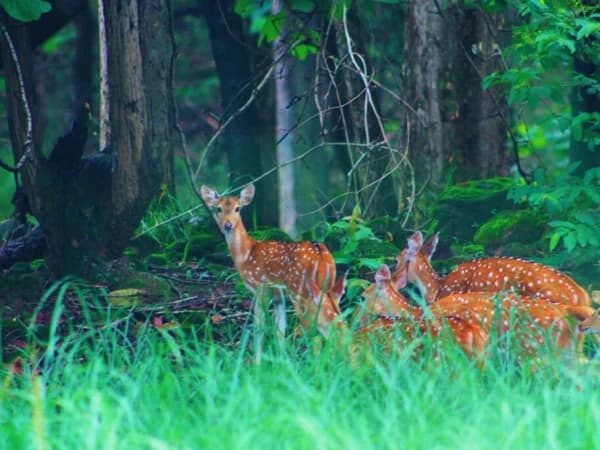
(123, 323)
(357, 121)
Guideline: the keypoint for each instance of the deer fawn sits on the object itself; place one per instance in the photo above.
(408, 320)
(323, 309)
(544, 293)
(472, 316)
(490, 275)
(270, 263)
(382, 298)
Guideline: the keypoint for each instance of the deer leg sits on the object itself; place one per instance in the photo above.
(260, 305)
(280, 318)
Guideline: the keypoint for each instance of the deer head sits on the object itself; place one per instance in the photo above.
(226, 209)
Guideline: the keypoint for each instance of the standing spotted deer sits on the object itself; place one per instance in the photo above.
(270, 263)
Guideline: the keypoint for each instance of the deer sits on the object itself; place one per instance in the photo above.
(392, 309)
(491, 275)
(322, 309)
(409, 321)
(470, 319)
(534, 283)
(474, 316)
(270, 263)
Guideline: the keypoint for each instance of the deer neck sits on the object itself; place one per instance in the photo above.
(428, 282)
(240, 244)
(394, 298)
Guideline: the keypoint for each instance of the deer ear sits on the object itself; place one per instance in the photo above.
(382, 275)
(209, 195)
(339, 288)
(430, 245)
(247, 195)
(415, 242)
(313, 290)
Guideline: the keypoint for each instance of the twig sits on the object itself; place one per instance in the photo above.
(28, 144)
(167, 221)
(214, 137)
(369, 103)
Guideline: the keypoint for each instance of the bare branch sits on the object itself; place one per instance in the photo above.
(214, 137)
(28, 144)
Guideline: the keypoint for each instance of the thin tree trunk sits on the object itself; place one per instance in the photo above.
(284, 133)
(140, 107)
(241, 140)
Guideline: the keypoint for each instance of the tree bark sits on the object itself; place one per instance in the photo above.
(140, 108)
(89, 208)
(284, 133)
(458, 127)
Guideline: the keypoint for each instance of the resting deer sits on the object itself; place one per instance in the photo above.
(383, 298)
(544, 292)
(409, 321)
(473, 316)
(270, 263)
(490, 275)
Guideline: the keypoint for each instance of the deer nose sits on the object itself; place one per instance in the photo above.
(228, 226)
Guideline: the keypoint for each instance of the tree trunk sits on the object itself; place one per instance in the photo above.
(241, 140)
(284, 133)
(85, 53)
(89, 208)
(140, 108)
(458, 126)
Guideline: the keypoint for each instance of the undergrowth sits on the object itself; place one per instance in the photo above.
(132, 385)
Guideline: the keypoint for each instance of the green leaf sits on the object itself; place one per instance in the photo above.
(25, 10)
(555, 239)
(586, 218)
(582, 238)
(588, 27)
(363, 233)
(370, 263)
(491, 79)
(303, 50)
(243, 8)
(271, 28)
(562, 223)
(570, 241)
(568, 43)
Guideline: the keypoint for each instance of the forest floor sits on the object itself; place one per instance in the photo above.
(163, 297)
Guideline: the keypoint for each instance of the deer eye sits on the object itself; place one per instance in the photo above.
(218, 209)
(237, 209)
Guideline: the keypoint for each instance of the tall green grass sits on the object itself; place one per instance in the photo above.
(132, 386)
